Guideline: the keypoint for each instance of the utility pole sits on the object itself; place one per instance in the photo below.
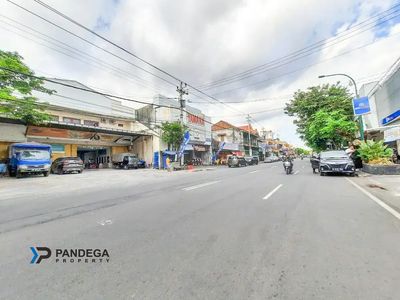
(183, 117)
(248, 128)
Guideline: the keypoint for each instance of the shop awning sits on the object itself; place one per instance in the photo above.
(169, 152)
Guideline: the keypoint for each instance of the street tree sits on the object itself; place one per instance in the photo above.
(173, 134)
(334, 127)
(16, 100)
(305, 105)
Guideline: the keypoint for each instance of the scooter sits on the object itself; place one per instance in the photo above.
(288, 167)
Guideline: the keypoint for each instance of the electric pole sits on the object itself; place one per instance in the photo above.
(183, 117)
(248, 128)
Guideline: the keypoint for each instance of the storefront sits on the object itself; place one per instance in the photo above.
(94, 147)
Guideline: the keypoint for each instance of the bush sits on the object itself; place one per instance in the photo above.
(371, 151)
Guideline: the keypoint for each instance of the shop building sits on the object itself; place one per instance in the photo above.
(383, 123)
(164, 109)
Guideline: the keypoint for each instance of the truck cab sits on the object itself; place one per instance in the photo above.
(29, 158)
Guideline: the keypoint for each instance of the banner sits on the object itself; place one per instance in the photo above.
(392, 134)
(219, 150)
(185, 141)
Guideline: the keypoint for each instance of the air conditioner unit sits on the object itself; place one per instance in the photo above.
(112, 121)
(103, 120)
(96, 124)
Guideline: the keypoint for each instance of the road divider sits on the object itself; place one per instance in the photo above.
(272, 192)
(380, 202)
(200, 185)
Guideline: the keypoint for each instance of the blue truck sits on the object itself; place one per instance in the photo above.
(29, 158)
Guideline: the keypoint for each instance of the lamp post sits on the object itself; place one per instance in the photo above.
(355, 87)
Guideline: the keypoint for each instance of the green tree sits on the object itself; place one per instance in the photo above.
(334, 127)
(326, 98)
(16, 100)
(173, 134)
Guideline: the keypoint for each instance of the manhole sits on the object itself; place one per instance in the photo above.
(374, 186)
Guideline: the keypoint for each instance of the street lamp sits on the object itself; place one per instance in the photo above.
(355, 87)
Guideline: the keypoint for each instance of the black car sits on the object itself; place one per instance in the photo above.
(67, 164)
(236, 161)
(336, 161)
(252, 160)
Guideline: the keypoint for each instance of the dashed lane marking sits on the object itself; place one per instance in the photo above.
(272, 192)
(200, 185)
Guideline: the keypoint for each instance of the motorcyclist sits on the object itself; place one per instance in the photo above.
(289, 159)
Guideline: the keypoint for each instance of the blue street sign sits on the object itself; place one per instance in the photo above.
(391, 118)
(361, 106)
(185, 141)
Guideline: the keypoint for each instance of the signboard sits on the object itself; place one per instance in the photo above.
(361, 106)
(185, 141)
(392, 134)
(199, 148)
(391, 118)
(219, 150)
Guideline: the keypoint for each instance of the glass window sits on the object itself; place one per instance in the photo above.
(71, 120)
(76, 121)
(34, 154)
(120, 125)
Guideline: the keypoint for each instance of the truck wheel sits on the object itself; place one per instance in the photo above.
(46, 174)
(18, 175)
(126, 167)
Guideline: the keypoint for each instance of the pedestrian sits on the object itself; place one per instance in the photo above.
(350, 150)
(168, 162)
(3, 167)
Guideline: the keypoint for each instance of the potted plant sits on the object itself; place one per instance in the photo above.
(376, 158)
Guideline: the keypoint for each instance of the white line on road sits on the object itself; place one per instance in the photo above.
(273, 166)
(272, 192)
(296, 172)
(302, 167)
(200, 185)
(254, 171)
(384, 205)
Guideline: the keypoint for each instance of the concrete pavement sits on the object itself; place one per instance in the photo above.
(206, 235)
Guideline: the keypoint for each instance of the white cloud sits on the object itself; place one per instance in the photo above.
(200, 43)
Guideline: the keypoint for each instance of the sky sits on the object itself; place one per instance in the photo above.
(200, 42)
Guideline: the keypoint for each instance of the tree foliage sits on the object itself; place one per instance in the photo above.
(323, 114)
(173, 134)
(302, 151)
(16, 100)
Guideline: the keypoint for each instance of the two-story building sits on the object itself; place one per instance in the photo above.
(88, 125)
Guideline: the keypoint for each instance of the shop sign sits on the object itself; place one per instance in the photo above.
(231, 146)
(361, 106)
(199, 148)
(392, 134)
(195, 119)
(391, 118)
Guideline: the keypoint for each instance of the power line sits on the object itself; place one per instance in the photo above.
(87, 41)
(251, 100)
(306, 67)
(298, 52)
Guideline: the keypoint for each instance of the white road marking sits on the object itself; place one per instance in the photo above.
(106, 222)
(296, 172)
(273, 166)
(302, 167)
(272, 192)
(200, 185)
(254, 171)
(381, 203)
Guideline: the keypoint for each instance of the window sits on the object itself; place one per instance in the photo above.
(222, 137)
(58, 148)
(72, 120)
(120, 125)
(91, 123)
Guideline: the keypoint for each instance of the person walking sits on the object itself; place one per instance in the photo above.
(168, 162)
(3, 167)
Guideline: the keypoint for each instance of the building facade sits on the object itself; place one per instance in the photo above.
(164, 110)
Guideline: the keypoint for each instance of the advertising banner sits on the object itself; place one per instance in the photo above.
(185, 141)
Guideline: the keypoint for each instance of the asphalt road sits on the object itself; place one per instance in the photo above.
(244, 233)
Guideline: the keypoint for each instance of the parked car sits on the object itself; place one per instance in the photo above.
(236, 161)
(67, 164)
(251, 160)
(336, 161)
(268, 160)
(125, 161)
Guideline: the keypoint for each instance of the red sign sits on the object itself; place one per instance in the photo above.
(195, 119)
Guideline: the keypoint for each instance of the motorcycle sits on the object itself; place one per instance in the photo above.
(288, 167)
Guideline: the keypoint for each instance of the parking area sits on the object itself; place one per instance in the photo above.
(89, 179)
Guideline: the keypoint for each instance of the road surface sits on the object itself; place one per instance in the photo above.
(243, 233)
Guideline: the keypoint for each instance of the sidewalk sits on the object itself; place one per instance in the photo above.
(385, 187)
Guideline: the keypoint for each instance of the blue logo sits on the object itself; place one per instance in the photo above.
(41, 257)
(391, 118)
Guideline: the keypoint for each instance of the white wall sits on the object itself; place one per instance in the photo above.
(370, 120)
